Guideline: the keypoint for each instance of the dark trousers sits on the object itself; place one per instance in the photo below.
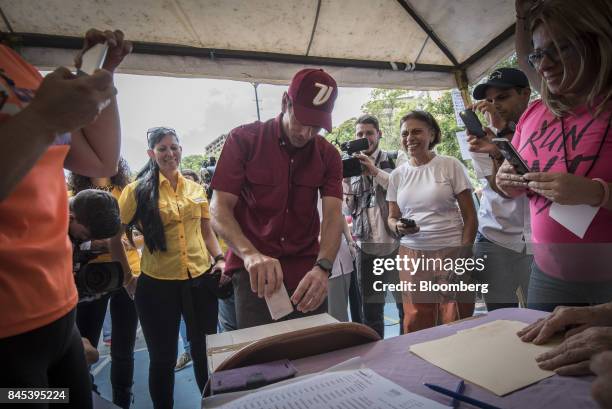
(547, 292)
(90, 319)
(124, 324)
(47, 357)
(252, 310)
(374, 302)
(355, 301)
(505, 271)
(160, 304)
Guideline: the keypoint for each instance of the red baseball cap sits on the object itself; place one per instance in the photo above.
(313, 93)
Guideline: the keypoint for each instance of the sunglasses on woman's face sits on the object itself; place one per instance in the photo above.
(159, 130)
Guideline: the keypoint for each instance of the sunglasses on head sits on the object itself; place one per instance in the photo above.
(159, 130)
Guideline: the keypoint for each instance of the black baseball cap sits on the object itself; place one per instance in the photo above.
(503, 78)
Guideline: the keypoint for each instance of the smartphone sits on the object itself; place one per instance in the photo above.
(511, 155)
(472, 123)
(407, 222)
(93, 59)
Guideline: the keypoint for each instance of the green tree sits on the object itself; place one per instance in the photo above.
(510, 62)
(193, 162)
(389, 105)
(343, 132)
(442, 109)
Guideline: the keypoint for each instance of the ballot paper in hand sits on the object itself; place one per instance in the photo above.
(489, 355)
(279, 303)
(358, 388)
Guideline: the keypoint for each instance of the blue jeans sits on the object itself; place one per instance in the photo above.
(547, 292)
(227, 314)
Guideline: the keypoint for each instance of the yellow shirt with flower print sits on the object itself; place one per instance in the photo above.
(181, 212)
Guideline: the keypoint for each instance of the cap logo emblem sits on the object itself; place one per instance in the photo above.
(323, 95)
(495, 75)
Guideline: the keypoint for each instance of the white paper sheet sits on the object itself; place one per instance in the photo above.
(279, 304)
(464, 146)
(359, 388)
(489, 355)
(458, 106)
(576, 219)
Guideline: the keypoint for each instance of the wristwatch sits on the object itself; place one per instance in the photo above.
(325, 265)
(508, 129)
(219, 257)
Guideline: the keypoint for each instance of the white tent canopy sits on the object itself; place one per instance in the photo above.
(413, 44)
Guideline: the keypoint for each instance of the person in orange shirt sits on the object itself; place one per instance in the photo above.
(46, 125)
(172, 214)
(90, 315)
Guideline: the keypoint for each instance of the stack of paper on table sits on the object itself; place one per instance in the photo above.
(489, 355)
(347, 385)
(221, 346)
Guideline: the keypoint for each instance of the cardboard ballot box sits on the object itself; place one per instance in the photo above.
(220, 347)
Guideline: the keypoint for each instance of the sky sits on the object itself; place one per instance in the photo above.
(202, 109)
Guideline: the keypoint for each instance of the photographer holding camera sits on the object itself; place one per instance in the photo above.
(365, 199)
(90, 314)
(94, 215)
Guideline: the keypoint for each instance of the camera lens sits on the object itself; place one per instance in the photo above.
(97, 280)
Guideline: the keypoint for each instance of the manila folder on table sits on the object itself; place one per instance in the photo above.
(489, 355)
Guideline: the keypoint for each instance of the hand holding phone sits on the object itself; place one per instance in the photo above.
(407, 222)
(511, 155)
(93, 59)
(408, 226)
(472, 123)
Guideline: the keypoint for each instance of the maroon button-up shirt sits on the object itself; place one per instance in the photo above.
(277, 186)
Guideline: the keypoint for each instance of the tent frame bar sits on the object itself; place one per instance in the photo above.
(65, 42)
(432, 34)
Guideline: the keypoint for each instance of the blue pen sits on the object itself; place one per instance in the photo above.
(455, 403)
(458, 396)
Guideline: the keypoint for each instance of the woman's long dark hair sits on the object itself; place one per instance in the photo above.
(121, 179)
(147, 216)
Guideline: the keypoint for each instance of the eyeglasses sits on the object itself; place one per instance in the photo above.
(159, 130)
(535, 58)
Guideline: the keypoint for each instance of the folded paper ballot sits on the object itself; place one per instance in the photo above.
(489, 355)
(251, 377)
(279, 303)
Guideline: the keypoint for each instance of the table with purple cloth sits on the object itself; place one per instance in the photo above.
(392, 359)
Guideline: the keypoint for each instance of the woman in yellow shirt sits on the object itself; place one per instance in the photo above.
(90, 314)
(172, 214)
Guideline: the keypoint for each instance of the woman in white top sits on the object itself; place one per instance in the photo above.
(435, 192)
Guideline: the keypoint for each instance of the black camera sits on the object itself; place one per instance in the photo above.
(352, 166)
(95, 279)
(354, 146)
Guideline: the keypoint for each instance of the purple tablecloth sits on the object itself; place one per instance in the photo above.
(392, 359)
